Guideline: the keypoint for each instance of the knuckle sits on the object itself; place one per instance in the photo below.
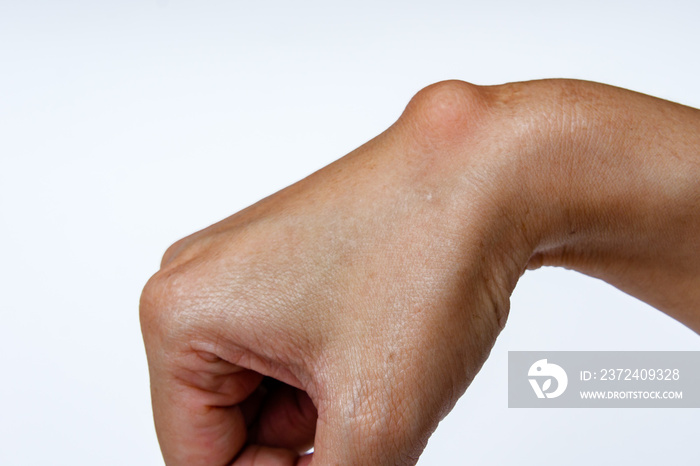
(171, 252)
(181, 251)
(161, 299)
(150, 304)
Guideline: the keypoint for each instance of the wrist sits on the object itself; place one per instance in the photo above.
(566, 173)
(613, 179)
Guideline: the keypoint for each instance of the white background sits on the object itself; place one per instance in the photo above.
(125, 125)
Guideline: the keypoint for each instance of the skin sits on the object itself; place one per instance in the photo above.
(352, 309)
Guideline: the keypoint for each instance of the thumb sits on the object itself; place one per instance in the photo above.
(371, 424)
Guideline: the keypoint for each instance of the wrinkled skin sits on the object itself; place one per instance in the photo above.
(349, 311)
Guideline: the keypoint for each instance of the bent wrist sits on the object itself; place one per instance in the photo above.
(613, 179)
(558, 172)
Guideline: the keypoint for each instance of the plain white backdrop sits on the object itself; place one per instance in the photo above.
(127, 125)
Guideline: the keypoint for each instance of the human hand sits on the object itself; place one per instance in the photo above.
(375, 288)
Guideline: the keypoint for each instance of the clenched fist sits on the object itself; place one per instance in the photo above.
(350, 311)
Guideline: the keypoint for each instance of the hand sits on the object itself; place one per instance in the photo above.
(374, 290)
(352, 309)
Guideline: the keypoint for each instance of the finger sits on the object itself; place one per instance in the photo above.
(256, 455)
(287, 419)
(196, 412)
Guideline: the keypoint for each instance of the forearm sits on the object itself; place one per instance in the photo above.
(612, 183)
